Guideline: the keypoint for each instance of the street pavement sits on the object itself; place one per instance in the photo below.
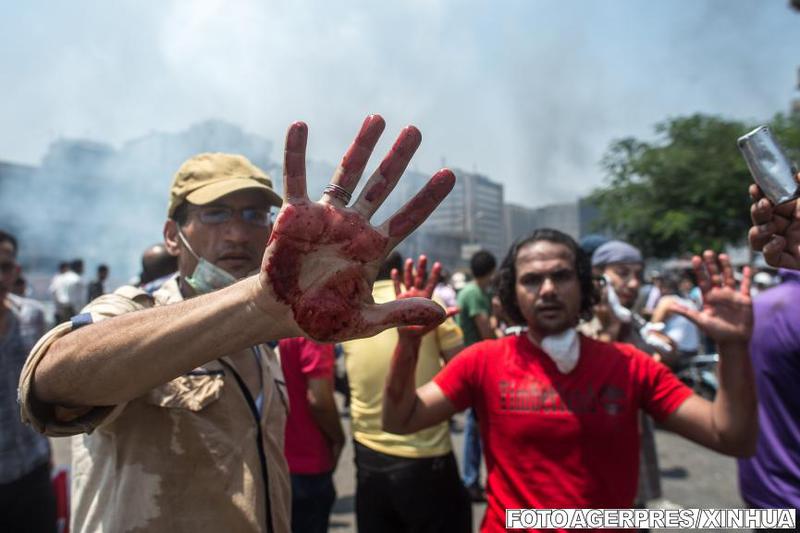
(691, 477)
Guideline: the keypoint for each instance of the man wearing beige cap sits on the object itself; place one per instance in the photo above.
(179, 399)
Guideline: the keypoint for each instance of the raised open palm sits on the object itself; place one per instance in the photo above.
(322, 257)
(418, 284)
(727, 314)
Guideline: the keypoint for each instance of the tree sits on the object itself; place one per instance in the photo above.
(688, 190)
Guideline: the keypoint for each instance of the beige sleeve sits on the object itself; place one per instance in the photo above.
(42, 416)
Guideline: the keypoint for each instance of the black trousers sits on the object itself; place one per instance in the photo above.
(313, 496)
(28, 504)
(397, 494)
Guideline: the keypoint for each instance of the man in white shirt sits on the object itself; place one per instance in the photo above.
(58, 290)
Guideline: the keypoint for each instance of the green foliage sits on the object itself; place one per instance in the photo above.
(687, 191)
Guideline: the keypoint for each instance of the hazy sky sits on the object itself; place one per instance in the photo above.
(530, 92)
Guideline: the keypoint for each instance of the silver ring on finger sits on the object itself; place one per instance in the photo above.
(338, 192)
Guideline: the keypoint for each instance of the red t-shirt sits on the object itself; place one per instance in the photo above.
(306, 448)
(554, 440)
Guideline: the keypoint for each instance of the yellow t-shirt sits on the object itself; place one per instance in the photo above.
(367, 362)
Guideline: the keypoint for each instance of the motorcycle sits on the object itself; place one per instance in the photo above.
(699, 373)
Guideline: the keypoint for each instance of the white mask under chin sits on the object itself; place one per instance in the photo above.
(564, 349)
(622, 313)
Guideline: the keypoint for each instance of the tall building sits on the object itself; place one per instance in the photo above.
(473, 215)
(576, 219)
(15, 180)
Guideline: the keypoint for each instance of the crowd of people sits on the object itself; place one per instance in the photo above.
(201, 396)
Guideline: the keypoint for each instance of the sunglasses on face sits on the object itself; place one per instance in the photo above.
(214, 215)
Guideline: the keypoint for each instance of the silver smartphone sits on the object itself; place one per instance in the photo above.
(768, 164)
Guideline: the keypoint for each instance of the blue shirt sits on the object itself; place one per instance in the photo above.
(771, 478)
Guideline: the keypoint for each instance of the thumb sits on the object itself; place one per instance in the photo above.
(405, 312)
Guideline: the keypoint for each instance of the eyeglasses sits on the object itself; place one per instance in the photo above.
(215, 215)
(6, 267)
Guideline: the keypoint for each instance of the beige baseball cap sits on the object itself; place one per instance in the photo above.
(206, 177)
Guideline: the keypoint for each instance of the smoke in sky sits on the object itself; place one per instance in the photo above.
(529, 93)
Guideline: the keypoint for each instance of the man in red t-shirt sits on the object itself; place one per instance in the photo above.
(559, 410)
(314, 436)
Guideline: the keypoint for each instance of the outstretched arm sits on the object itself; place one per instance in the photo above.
(729, 424)
(316, 280)
(407, 409)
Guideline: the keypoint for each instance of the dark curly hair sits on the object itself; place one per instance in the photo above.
(506, 279)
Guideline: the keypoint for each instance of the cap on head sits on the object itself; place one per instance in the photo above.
(616, 252)
(592, 242)
(207, 177)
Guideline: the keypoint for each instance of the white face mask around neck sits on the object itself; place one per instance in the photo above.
(564, 349)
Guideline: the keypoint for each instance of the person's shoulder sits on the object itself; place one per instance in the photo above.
(786, 294)
(22, 303)
(491, 346)
(470, 289)
(290, 347)
(13, 305)
(168, 292)
(123, 300)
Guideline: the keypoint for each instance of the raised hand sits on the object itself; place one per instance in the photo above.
(775, 230)
(727, 314)
(417, 284)
(322, 257)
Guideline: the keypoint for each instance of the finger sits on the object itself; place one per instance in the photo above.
(383, 180)
(755, 192)
(727, 271)
(406, 312)
(746, 280)
(294, 162)
(774, 252)
(355, 159)
(702, 276)
(422, 266)
(452, 311)
(761, 211)
(760, 235)
(781, 223)
(710, 260)
(418, 208)
(433, 279)
(408, 273)
(396, 280)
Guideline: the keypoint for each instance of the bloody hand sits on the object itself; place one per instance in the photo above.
(727, 314)
(322, 257)
(417, 285)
